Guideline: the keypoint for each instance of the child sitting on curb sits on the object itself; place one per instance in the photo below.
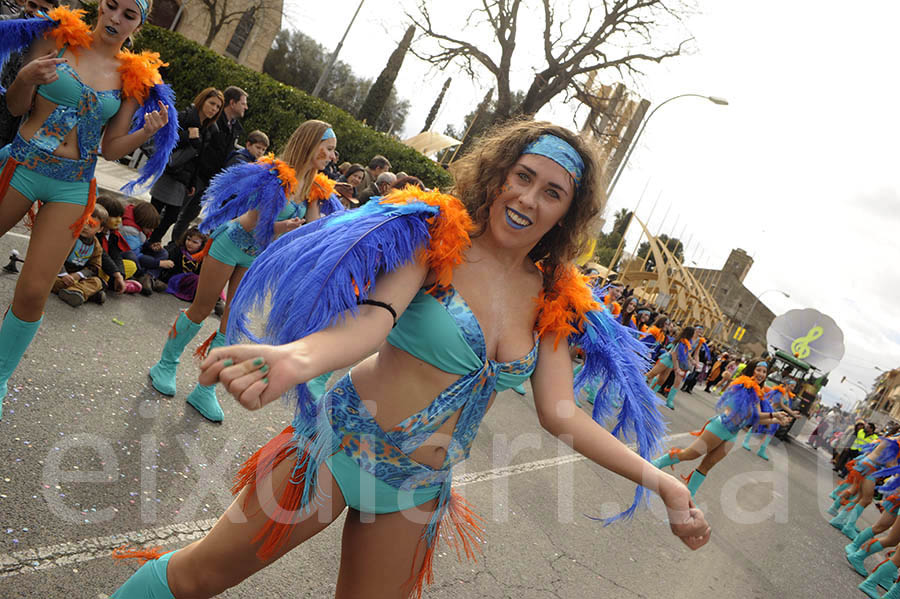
(115, 270)
(79, 280)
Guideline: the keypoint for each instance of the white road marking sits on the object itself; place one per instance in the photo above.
(73, 552)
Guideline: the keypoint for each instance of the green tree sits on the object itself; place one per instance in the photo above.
(379, 93)
(673, 244)
(620, 220)
(298, 60)
(432, 114)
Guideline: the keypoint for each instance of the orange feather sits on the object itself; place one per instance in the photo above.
(562, 310)
(284, 171)
(72, 31)
(139, 73)
(322, 188)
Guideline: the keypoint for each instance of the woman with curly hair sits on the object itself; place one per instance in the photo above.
(442, 301)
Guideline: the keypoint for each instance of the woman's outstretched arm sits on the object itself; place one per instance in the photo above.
(258, 374)
(558, 414)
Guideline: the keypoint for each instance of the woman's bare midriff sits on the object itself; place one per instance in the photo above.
(395, 385)
(40, 112)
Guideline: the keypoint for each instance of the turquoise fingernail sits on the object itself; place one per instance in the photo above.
(258, 361)
(266, 381)
(264, 369)
(228, 362)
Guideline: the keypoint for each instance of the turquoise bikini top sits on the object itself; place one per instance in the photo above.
(439, 328)
(292, 210)
(77, 105)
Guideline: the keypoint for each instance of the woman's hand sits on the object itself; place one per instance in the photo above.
(194, 132)
(41, 70)
(685, 520)
(254, 374)
(156, 120)
(283, 226)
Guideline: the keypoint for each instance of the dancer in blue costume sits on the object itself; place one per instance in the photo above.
(78, 88)
(870, 540)
(677, 358)
(863, 477)
(776, 398)
(737, 408)
(444, 290)
(245, 208)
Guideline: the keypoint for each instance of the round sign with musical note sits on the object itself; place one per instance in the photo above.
(810, 336)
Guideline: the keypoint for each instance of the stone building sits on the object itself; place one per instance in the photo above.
(885, 397)
(738, 303)
(246, 34)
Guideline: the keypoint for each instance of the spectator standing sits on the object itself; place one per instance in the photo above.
(381, 186)
(253, 150)
(378, 165)
(212, 160)
(178, 182)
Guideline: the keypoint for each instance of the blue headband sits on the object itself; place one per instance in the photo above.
(329, 133)
(560, 152)
(143, 5)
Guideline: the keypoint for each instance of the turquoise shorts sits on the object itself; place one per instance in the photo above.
(37, 187)
(666, 360)
(716, 427)
(365, 493)
(226, 251)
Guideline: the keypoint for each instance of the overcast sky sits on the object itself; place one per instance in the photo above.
(800, 170)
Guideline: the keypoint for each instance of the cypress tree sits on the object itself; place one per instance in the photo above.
(381, 89)
(432, 114)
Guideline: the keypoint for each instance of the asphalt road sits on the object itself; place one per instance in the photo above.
(91, 458)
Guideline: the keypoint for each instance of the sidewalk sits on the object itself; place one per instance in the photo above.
(111, 176)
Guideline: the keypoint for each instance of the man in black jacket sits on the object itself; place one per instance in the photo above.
(214, 155)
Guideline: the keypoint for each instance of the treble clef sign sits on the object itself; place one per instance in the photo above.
(800, 346)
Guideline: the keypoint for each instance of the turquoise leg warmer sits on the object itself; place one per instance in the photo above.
(857, 558)
(15, 337)
(162, 374)
(833, 510)
(841, 519)
(746, 443)
(857, 542)
(149, 582)
(203, 397)
(695, 481)
(893, 592)
(884, 576)
(762, 448)
(670, 398)
(837, 490)
(667, 459)
(849, 529)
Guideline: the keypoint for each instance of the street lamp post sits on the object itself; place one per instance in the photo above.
(756, 301)
(714, 99)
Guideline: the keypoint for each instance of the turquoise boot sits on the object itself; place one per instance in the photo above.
(203, 397)
(667, 459)
(670, 398)
(149, 582)
(858, 541)
(746, 443)
(893, 592)
(695, 481)
(835, 507)
(837, 490)
(884, 575)
(849, 529)
(762, 448)
(841, 519)
(162, 374)
(858, 558)
(15, 337)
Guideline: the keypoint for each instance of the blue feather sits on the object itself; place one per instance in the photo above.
(239, 189)
(767, 405)
(886, 472)
(307, 278)
(164, 140)
(617, 361)
(890, 485)
(18, 34)
(331, 205)
(742, 406)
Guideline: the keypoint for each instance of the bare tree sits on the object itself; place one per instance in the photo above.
(619, 35)
(226, 12)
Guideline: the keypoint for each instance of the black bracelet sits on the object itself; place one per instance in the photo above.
(387, 307)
